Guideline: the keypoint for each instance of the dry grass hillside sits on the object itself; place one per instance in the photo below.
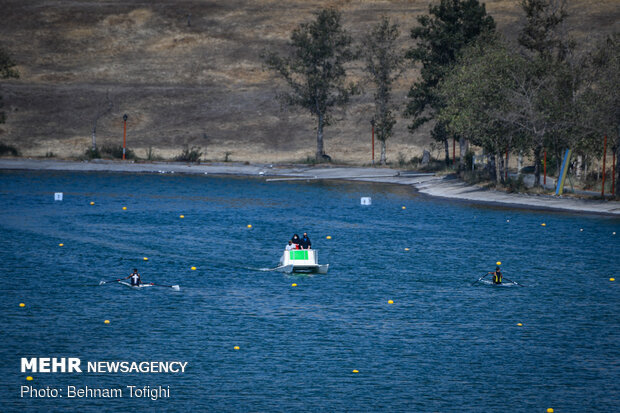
(201, 83)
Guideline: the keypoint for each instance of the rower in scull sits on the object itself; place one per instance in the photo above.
(497, 275)
(135, 278)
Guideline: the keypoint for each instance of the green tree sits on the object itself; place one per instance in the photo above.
(542, 87)
(478, 96)
(7, 71)
(540, 35)
(314, 70)
(600, 102)
(440, 36)
(383, 62)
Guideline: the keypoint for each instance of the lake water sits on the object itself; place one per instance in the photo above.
(443, 345)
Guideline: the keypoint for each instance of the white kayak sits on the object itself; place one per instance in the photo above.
(135, 286)
(503, 284)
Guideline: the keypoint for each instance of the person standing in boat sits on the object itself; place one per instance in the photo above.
(289, 246)
(497, 275)
(295, 240)
(305, 243)
(135, 278)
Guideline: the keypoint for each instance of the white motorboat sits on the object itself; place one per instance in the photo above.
(301, 261)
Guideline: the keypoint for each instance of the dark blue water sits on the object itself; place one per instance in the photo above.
(444, 345)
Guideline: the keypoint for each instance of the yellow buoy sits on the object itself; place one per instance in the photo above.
(61, 245)
(293, 285)
(613, 233)
(329, 237)
(543, 224)
(520, 325)
(181, 216)
(498, 263)
(22, 305)
(404, 207)
(106, 322)
(612, 279)
(92, 203)
(249, 225)
(124, 208)
(406, 249)
(355, 371)
(550, 410)
(29, 378)
(580, 229)
(236, 347)
(193, 268)
(390, 302)
(145, 259)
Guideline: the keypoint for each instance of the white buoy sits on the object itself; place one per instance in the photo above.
(58, 196)
(366, 200)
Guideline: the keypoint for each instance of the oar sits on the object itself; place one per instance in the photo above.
(174, 287)
(111, 281)
(514, 282)
(479, 279)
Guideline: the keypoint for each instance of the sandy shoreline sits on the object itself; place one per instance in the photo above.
(425, 183)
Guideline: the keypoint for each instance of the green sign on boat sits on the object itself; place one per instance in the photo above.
(299, 255)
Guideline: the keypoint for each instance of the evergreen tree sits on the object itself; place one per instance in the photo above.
(314, 70)
(440, 36)
(540, 35)
(7, 71)
(383, 62)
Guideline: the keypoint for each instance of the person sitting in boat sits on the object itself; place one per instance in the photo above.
(497, 275)
(135, 278)
(305, 243)
(290, 246)
(295, 240)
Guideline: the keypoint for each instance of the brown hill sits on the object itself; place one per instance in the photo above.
(198, 80)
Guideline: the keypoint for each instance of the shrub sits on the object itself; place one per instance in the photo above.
(151, 156)
(189, 155)
(116, 152)
(515, 185)
(8, 150)
(92, 153)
